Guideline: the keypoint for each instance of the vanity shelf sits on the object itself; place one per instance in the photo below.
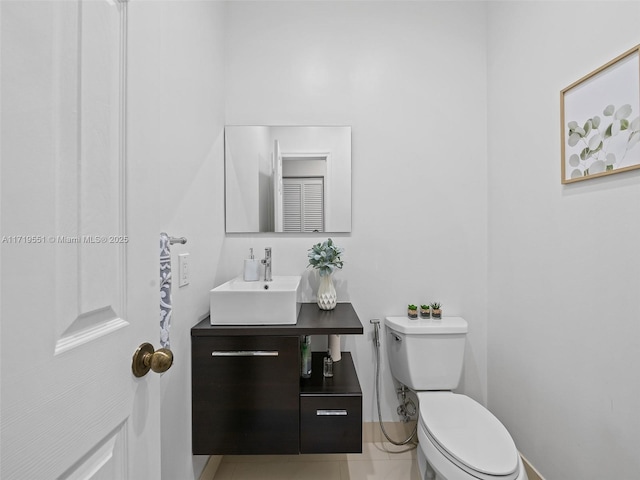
(239, 400)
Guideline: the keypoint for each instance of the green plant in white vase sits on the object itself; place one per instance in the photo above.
(325, 257)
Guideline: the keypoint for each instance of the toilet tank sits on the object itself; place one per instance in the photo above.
(426, 354)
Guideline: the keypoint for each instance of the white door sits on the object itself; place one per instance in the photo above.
(79, 261)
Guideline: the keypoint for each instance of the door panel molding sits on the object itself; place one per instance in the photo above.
(89, 327)
(91, 228)
(107, 460)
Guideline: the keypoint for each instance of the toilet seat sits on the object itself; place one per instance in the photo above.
(468, 435)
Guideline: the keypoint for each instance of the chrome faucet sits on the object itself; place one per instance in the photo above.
(266, 261)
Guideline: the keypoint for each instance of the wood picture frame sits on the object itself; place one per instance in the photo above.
(600, 122)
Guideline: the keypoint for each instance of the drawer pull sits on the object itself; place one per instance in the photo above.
(245, 353)
(330, 413)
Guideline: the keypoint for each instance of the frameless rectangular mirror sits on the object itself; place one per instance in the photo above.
(287, 179)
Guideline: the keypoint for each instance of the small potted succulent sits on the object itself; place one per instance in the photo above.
(412, 311)
(436, 310)
(424, 311)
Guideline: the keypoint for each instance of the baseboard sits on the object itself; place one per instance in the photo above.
(532, 473)
(211, 467)
(372, 433)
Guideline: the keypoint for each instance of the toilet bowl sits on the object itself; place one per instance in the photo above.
(459, 439)
(464, 441)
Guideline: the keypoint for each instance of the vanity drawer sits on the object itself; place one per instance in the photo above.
(331, 424)
(245, 393)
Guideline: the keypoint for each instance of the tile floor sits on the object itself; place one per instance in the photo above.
(378, 461)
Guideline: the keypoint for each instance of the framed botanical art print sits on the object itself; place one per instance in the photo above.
(600, 120)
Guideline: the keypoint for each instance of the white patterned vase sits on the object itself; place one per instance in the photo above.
(327, 297)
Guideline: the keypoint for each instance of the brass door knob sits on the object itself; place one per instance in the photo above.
(146, 359)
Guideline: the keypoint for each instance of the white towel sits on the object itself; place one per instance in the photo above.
(165, 290)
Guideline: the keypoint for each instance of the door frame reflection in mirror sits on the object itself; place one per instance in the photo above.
(308, 165)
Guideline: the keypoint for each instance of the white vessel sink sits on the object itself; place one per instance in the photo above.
(237, 302)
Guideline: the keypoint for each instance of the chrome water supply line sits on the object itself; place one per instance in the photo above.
(406, 408)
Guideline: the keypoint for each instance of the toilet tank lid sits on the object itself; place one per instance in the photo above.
(427, 326)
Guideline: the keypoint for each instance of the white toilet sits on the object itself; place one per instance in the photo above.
(459, 438)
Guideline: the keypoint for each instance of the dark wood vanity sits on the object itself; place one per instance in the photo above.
(248, 397)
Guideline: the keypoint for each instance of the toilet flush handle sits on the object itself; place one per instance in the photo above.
(396, 337)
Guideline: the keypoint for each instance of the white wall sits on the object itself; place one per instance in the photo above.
(410, 78)
(564, 335)
(176, 141)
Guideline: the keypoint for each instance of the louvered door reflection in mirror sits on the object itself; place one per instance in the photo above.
(303, 202)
